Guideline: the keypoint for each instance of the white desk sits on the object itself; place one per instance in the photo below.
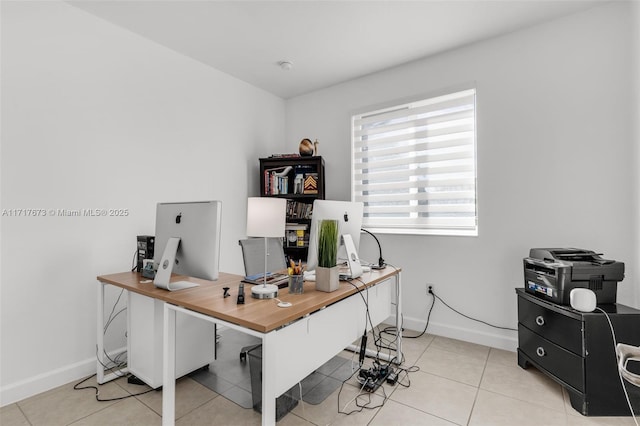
(295, 341)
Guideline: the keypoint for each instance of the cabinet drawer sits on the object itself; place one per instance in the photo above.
(558, 361)
(553, 326)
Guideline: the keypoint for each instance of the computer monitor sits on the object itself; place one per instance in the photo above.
(349, 217)
(197, 225)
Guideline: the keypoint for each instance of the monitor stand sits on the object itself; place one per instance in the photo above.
(353, 261)
(163, 275)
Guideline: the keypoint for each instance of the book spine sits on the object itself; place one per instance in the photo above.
(274, 184)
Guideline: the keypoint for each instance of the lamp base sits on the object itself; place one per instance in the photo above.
(260, 291)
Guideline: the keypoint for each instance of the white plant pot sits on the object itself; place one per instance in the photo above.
(327, 279)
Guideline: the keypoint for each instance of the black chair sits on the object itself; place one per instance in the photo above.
(626, 353)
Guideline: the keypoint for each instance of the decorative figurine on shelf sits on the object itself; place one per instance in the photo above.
(306, 148)
(298, 182)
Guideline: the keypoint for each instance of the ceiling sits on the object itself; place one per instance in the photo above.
(328, 42)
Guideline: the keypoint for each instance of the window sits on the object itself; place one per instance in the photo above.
(414, 166)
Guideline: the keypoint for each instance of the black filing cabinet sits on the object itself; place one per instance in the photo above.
(576, 349)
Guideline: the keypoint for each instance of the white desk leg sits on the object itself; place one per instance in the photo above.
(100, 335)
(169, 367)
(398, 319)
(269, 375)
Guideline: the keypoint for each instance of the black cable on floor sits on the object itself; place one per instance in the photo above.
(77, 387)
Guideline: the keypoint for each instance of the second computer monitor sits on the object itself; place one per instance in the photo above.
(349, 217)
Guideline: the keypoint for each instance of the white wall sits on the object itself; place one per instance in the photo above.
(635, 113)
(557, 154)
(97, 117)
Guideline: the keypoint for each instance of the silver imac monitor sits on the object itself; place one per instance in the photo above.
(187, 241)
(349, 217)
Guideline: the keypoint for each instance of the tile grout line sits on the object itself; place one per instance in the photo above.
(475, 398)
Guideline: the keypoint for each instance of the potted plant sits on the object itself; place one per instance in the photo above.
(327, 269)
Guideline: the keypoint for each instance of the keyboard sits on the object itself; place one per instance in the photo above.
(281, 280)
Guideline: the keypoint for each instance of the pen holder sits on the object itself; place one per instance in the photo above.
(296, 284)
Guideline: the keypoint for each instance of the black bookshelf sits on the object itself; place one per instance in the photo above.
(300, 180)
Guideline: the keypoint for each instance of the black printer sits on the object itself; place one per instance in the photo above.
(551, 273)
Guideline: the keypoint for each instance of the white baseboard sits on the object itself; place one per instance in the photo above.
(500, 339)
(18, 391)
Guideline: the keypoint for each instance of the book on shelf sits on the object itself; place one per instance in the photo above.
(299, 210)
(276, 180)
(292, 155)
(295, 226)
(303, 240)
(303, 169)
(310, 183)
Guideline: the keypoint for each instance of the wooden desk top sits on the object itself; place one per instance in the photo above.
(262, 315)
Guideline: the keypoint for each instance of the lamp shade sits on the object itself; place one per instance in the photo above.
(266, 217)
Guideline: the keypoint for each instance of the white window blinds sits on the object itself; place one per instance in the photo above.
(414, 166)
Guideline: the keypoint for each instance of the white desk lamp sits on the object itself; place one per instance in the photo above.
(266, 218)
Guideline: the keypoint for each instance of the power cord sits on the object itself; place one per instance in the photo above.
(379, 340)
(371, 379)
(115, 365)
(365, 376)
(367, 317)
(615, 344)
(360, 404)
(111, 315)
(77, 387)
(435, 296)
(134, 264)
(381, 343)
(433, 302)
(377, 337)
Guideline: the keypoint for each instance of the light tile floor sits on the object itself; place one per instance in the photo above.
(456, 383)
